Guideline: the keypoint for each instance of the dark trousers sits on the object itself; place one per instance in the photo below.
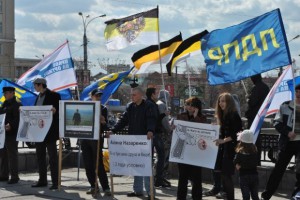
(192, 173)
(249, 185)
(42, 162)
(228, 186)
(158, 143)
(284, 158)
(9, 158)
(89, 154)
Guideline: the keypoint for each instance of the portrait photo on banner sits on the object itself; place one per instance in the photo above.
(79, 119)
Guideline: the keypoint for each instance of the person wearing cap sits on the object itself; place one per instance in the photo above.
(9, 154)
(193, 113)
(289, 143)
(47, 97)
(245, 162)
(141, 118)
(89, 153)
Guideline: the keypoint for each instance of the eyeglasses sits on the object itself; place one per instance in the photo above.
(187, 104)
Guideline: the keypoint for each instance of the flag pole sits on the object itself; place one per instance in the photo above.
(159, 53)
(295, 104)
(189, 80)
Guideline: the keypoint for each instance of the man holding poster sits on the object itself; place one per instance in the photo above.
(47, 97)
(141, 117)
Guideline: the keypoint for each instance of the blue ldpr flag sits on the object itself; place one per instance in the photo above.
(108, 84)
(26, 97)
(252, 47)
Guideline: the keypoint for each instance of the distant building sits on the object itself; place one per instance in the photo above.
(7, 39)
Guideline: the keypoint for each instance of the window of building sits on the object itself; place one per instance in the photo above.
(0, 6)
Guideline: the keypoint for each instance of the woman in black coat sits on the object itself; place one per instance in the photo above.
(230, 124)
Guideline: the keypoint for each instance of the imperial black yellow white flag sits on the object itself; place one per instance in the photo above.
(150, 55)
(141, 28)
(188, 48)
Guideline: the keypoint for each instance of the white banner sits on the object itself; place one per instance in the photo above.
(79, 119)
(57, 68)
(35, 122)
(192, 143)
(130, 155)
(2, 130)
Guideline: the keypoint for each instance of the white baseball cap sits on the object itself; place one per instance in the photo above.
(246, 136)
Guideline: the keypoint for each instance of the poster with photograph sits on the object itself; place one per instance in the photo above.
(193, 143)
(79, 119)
(34, 124)
(2, 130)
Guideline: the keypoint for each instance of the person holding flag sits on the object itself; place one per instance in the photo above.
(9, 154)
(289, 143)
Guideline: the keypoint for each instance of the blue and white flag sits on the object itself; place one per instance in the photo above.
(57, 68)
(26, 97)
(291, 83)
(108, 84)
(278, 94)
(252, 47)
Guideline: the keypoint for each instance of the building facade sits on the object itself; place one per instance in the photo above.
(7, 39)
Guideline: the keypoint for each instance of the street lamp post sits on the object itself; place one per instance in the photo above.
(85, 25)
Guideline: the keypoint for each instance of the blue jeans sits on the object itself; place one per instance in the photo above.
(158, 143)
(138, 184)
(249, 185)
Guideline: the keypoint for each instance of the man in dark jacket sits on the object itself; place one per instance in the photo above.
(289, 143)
(257, 96)
(9, 154)
(47, 97)
(141, 117)
(89, 152)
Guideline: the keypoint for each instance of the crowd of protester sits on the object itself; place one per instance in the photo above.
(149, 116)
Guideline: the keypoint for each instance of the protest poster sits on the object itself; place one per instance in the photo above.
(2, 130)
(193, 144)
(130, 155)
(79, 119)
(34, 124)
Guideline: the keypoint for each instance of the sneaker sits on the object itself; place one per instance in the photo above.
(221, 195)
(92, 191)
(161, 184)
(211, 192)
(107, 192)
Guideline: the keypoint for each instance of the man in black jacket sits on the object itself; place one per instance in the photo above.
(89, 152)
(9, 154)
(141, 117)
(47, 97)
(256, 98)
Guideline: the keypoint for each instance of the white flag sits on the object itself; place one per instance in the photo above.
(57, 68)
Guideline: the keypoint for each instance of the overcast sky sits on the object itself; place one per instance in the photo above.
(41, 26)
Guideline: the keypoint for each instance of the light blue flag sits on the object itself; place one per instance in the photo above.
(291, 85)
(26, 97)
(109, 84)
(252, 47)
